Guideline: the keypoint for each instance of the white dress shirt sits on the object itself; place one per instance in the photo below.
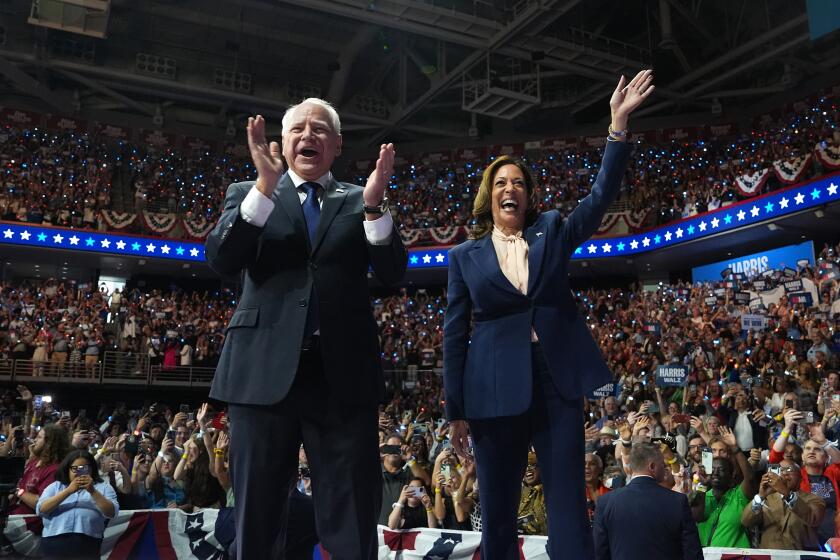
(256, 207)
(744, 432)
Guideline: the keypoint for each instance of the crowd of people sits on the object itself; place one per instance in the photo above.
(63, 326)
(750, 436)
(676, 179)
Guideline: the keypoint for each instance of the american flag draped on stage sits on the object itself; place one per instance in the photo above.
(173, 534)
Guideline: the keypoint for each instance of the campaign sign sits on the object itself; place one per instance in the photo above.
(803, 298)
(602, 392)
(759, 285)
(671, 376)
(710, 300)
(742, 297)
(793, 286)
(757, 263)
(752, 322)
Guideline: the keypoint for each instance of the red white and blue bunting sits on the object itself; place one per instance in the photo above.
(411, 236)
(171, 533)
(791, 171)
(198, 226)
(160, 223)
(633, 220)
(829, 155)
(118, 220)
(750, 184)
(445, 235)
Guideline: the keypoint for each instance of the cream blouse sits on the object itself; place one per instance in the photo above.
(512, 252)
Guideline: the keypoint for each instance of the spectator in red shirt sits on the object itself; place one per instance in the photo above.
(50, 447)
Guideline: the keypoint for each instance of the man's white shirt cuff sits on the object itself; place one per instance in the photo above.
(256, 207)
(379, 231)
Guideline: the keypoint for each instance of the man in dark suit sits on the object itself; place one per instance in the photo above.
(623, 527)
(300, 361)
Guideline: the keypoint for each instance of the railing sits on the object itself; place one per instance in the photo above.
(181, 375)
(64, 372)
(126, 368)
(122, 368)
(407, 379)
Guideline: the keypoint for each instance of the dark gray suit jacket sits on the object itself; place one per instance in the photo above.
(262, 345)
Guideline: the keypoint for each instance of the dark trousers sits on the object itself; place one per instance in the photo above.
(74, 546)
(555, 426)
(342, 448)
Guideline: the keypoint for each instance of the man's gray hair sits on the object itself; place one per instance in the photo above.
(642, 455)
(335, 122)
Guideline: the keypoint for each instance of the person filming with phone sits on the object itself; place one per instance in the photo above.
(788, 516)
(74, 509)
(408, 511)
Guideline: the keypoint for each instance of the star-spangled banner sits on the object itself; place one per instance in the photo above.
(34, 235)
(748, 212)
(426, 257)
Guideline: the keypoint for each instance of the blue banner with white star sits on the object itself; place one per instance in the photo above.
(748, 212)
(49, 237)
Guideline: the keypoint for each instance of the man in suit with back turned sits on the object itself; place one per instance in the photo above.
(300, 363)
(643, 520)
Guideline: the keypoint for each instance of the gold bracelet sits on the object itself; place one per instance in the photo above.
(219, 452)
(430, 510)
(785, 433)
(437, 490)
(184, 456)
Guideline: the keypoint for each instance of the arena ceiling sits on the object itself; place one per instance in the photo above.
(408, 70)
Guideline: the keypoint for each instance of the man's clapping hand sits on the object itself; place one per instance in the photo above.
(379, 178)
(266, 157)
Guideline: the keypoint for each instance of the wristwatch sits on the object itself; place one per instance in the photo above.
(381, 208)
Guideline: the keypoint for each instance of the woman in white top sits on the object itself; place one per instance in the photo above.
(74, 509)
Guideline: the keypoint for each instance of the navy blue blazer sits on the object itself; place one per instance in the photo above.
(487, 373)
(643, 521)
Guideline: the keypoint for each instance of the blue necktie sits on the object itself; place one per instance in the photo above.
(312, 215)
(311, 209)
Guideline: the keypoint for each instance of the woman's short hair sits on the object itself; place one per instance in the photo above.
(483, 204)
(62, 474)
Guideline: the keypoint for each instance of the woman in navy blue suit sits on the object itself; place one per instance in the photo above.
(517, 356)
